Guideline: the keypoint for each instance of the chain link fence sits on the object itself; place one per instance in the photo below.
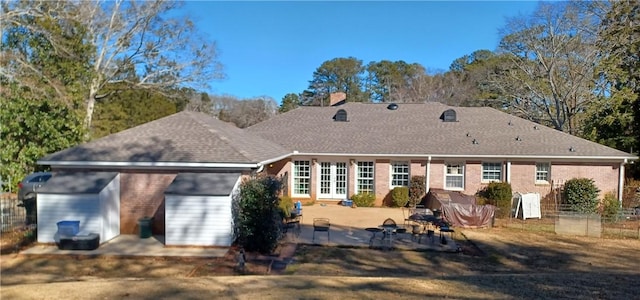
(559, 219)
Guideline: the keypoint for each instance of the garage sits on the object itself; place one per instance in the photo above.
(198, 209)
(93, 198)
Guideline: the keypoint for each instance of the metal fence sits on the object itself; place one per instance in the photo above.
(13, 216)
(624, 225)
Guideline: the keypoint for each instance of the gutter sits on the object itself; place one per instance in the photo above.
(171, 165)
(493, 156)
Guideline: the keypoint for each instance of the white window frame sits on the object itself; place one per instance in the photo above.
(547, 172)
(446, 174)
(359, 178)
(296, 176)
(482, 171)
(392, 172)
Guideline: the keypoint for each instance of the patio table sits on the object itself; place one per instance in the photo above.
(374, 231)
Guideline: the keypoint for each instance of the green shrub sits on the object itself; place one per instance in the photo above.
(400, 196)
(417, 190)
(257, 214)
(364, 199)
(582, 195)
(610, 207)
(498, 194)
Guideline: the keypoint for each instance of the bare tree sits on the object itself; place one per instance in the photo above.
(553, 54)
(140, 44)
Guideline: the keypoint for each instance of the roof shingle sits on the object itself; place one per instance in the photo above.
(417, 129)
(185, 137)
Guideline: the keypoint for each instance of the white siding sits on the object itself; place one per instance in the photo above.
(198, 220)
(110, 210)
(53, 208)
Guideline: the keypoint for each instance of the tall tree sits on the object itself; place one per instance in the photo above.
(553, 55)
(289, 101)
(141, 44)
(32, 127)
(615, 117)
(389, 81)
(339, 75)
(129, 108)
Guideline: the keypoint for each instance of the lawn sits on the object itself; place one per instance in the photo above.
(495, 263)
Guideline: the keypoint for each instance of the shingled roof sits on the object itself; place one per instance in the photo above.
(185, 137)
(419, 130)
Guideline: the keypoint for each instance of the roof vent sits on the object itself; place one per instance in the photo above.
(475, 142)
(518, 138)
(392, 106)
(340, 116)
(535, 127)
(571, 149)
(449, 115)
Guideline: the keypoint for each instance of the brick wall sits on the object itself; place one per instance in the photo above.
(142, 194)
(382, 180)
(605, 176)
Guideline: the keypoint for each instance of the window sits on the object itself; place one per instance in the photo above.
(542, 172)
(399, 173)
(301, 177)
(364, 178)
(491, 172)
(454, 176)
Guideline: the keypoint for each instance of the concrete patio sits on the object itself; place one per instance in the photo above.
(347, 230)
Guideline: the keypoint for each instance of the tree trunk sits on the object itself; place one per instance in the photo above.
(91, 103)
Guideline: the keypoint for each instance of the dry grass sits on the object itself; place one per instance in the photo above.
(501, 263)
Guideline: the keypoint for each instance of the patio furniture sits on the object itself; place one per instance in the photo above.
(292, 226)
(443, 231)
(374, 231)
(321, 225)
(389, 226)
(89, 241)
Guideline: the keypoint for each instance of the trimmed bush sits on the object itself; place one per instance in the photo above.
(364, 199)
(400, 196)
(610, 207)
(498, 194)
(417, 190)
(258, 214)
(582, 195)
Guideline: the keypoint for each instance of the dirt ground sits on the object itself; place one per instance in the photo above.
(498, 263)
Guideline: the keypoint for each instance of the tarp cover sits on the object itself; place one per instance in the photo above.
(460, 209)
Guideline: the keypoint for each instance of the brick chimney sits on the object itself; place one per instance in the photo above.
(336, 99)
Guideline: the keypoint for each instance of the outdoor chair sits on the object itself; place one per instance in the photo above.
(321, 225)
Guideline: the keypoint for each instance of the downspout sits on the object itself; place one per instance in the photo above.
(621, 181)
(508, 179)
(428, 177)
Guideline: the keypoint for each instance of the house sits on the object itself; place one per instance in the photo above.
(343, 150)
(175, 169)
(184, 169)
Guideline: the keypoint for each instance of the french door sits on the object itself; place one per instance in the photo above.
(333, 180)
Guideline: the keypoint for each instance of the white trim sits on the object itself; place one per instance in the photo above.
(148, 164)
(621, 183)
(272, 160)
(464, 175)
(428, 175)
(356, 188)
(471, 156)
(293, 176)
(391, 163)
(482, 180)
(508, 171)
(535, 174)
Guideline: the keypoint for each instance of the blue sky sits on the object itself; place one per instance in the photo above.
(273, 48)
